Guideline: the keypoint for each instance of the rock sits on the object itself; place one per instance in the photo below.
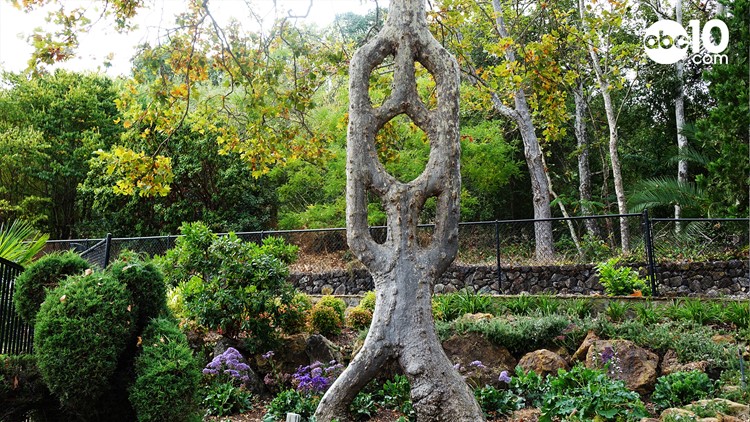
(632, 364)
(320, 349)
(467, 348)
(289, 356)
(677, 415)
(722, 338)
(525, 415)
(583, 349)
(222, 344)
(670, 364)
(736, 410)
(340, 290)
(542, 362)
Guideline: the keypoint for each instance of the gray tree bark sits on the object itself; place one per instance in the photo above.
(614, 155)
(403, 271)
(540, 189)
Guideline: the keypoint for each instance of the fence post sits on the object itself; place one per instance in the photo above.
(107, 249)
(648, 243)
(497, 256)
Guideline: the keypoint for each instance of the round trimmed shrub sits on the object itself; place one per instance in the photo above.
(42, 276)
(359, 318)
(81, 330)
(146, 283)
(368, 301)
(167, 375)
(334, 303)
(325, 320)
(681, 388)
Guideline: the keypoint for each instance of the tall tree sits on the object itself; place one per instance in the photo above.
(403, 271)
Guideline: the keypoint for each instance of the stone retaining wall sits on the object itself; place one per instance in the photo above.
(723, 278)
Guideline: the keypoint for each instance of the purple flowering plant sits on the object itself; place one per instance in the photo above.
(228, 367)
(316, 378)
(472, 373)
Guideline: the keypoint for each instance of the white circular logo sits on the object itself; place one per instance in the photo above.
(666, 42)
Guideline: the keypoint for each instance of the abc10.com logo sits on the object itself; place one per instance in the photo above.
(667, 42)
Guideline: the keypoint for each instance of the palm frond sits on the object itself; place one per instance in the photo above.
(665, 191)
(20, 242)
(690, 155)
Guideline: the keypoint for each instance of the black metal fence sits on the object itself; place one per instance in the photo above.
(575, 240)
(16, 337)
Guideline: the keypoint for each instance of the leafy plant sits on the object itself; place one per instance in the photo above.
(21, 387)
(325, 320)
(363, 406)
(529, 386)
(291, 401)
(224, 399)
(737, 313)
(581, 307)
(616, 310)
(167, 375)
(42, 276)
(647, 313)
(696, 310)
(359, 318)
(680, 388)
(520, 305)
(335, 303)
(497, 402)
(396, 394)
(584, 394)
(145, 282)
(20, 242)
(368, 301)
(620, 281)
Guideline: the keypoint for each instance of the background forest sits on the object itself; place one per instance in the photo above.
(562, 114)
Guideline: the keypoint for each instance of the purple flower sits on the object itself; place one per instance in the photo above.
(478, 364)
(607, 354)
(268, 355)
(457, 367)
(504, 377)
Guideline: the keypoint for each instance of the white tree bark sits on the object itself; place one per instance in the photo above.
(521, 114)
(614, 155)
(584, 171)
(403, 271)
(679, 112)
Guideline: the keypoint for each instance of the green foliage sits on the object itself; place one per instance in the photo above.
(530, 386)
(616, 310)
(647, 312)
(291, 401)
(363, 406)
(224, 399)
(359, 318)
(325, 320)
(580, 308)
(45, 274)
(293, 315)
(584, 394)
(620, 281)
(455, 305)
(519, 335)
(337, 304)
(737, 313)
(50, 126)
(681, 388)
(80, 332)
(234, 286)
(368, 301)
(20, 242)
(497, 402)
(696, 310)
(21, 387)
(167, 375)
(520, 305)
(396, 394)
(145, 282)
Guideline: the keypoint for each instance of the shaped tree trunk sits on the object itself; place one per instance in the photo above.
(403, 271)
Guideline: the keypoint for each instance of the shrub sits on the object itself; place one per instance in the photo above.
(737, 313)
(359, 318)
(584, 394)
(279, 249)
(696, 310)
(225, 395)
(620, 281)
(239, 286)
(497, 402)
(292, 315)
(146, 283)
(454, 305)
(368, 301)
(681, 388)
(334, 303)
(520, 335)
(167, 375)
(363, 406)
(396, 394)
(43, 275)
(291, 401)
(81, 330)
(21, 387)
(325, 320)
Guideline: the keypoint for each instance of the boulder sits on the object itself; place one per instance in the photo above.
(734, 410)
(543, 362)
(476, 317)
(320, 349)
(583, 349)
(634, 365)
(670, 364)
(471, 347)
